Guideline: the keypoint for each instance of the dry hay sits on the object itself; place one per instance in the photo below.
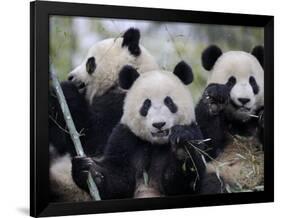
(241, 165)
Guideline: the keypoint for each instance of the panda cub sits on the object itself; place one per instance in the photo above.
(95, 101)
(232, 104)
(147, 150)
(100, 109)
(98, 72)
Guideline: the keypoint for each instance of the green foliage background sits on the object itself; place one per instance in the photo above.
(71, 37)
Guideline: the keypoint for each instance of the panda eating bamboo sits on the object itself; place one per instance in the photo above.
(148, 153)
(230, 112)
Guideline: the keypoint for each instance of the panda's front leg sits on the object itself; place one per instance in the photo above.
(184, 141)
(185, 167)
(210, 116)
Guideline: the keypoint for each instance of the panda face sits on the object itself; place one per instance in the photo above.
(99, 71)
(243, 96)
(159, 116)
(243, 74)
(157, 101)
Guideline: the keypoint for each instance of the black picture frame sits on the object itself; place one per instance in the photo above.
(39, 77)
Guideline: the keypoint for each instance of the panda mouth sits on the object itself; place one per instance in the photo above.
(240, 108)
(161, 133)
(244, 109)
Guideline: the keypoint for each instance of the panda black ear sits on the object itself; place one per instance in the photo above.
(184, 72)
(131, 39)
(127, 77)
(258, 52)
(210, 56)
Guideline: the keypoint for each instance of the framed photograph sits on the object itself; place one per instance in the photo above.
(141, 109)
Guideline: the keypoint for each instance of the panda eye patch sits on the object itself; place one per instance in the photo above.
(254, 85)
(170, 104)
(231, 82)
(145, 107)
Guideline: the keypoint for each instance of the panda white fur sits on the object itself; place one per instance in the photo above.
(98, 72)
(99, 110)
(157, 123)
(229, 113)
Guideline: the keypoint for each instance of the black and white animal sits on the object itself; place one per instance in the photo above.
(232, 102)
(98, 72)
(95, 100)
(146, 154)
(100, 109)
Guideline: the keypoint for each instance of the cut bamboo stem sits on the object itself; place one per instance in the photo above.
(94, 192)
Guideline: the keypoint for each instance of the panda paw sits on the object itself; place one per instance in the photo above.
(179, 138)
(216, 97)
(81, 167)
(181, 134)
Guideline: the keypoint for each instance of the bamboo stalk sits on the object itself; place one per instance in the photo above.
(73, 132)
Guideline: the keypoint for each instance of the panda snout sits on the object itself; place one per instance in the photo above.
(243, 101)
(159, 125)
(70, 78)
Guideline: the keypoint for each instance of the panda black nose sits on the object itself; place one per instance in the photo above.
(244, 100)
(158, 125)
(70, 78)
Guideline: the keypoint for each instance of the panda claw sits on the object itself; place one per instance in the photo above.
(98, 177)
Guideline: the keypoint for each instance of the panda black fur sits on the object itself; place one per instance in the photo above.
(157, 123)
(94, 98)
(232, 104)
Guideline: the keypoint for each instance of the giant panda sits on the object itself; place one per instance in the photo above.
(95, 101)
(93, 94)
(98, 72)
(148, 154)
(230, 113)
